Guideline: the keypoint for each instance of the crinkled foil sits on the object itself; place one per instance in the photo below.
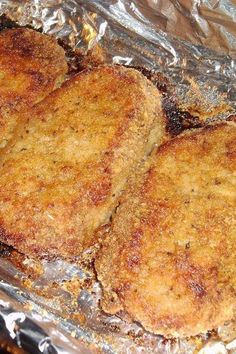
(54, 307)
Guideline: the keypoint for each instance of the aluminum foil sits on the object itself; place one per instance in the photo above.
(54, 307)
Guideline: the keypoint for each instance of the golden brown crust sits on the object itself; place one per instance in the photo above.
(64, 169)
(31, 66)
(169, 260)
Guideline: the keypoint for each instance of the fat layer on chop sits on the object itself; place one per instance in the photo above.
(169, 259)
(31, 66)
(67, 164)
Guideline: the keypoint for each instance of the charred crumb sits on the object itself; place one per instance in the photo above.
(74, 58)
(134, 335)
(211, 334)
(78, 60)
(112, 327)
(232, 118)
(167, 341)
(187, 246)
(7, 23)
(87, 283)
(5, 251)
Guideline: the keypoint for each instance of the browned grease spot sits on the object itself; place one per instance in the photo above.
(134, 257)
(99, 191)
(192, 275)
(178, 120)
(170, 321)
(14, 238)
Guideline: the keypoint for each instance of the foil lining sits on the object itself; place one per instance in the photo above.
(54, 307)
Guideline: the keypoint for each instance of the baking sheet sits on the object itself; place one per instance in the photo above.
(54, 307)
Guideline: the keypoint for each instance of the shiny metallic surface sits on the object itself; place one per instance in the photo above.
(194, 44)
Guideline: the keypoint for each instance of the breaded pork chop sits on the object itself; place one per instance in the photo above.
(31, 66)
(64, 169)
(169, 259)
